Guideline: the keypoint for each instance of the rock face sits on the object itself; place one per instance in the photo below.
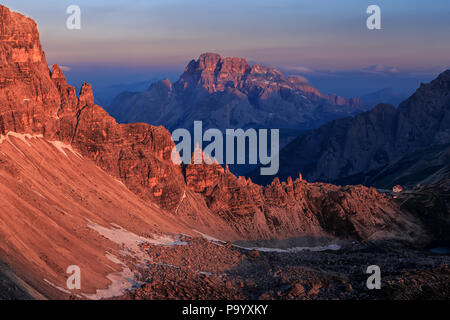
(430, 201)
(139, 154)
(349, 150)
(230, 93)
(416, 168)
(28, 99)
(207, 198)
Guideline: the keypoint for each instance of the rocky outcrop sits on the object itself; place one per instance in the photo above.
(351, 149)
(28, 99)
(230, 93)
(297, 207)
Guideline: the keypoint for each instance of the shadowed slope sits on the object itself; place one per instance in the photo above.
(352, 147)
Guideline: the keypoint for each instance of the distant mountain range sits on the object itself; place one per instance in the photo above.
(231, 93)
(387, 95)
(104, 95)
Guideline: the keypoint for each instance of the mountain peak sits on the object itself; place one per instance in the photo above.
(206, 61)
(86, 95)
(57, 73)
(166, 82)
(209, 57)
(444, 76)
(226, 92)
(165, 85)
(17, 28)
(214, 73)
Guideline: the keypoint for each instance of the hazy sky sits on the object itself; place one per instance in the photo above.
(301, 35)
(290, 33)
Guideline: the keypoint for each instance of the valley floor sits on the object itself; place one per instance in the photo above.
(204, 269)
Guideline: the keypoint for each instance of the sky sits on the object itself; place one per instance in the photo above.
(133, 41)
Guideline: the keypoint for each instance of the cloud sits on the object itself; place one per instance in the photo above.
(300, 69)
(65, 68)
(380, 68)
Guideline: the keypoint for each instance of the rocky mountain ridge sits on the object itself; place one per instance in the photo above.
(34, 100)
(226, 92)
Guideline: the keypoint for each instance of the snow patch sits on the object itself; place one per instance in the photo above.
(26, 137)
(130, 242)
(21, 136)
(207, 237)
(56, 287)
(62, 147)
(61, 211)
(120, 282)
(39, 194)
(124, 238)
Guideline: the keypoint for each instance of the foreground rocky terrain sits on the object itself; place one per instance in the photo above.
(202, 269)
(77, 188)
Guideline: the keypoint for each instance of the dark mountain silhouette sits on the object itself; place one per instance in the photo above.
(355, 148)
(387, 95)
